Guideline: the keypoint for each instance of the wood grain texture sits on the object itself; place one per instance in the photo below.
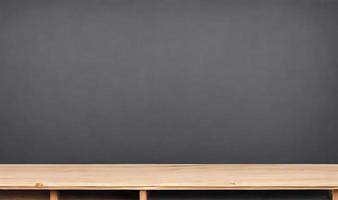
(169, 177)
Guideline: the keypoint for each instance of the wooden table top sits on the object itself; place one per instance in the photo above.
(169, 177)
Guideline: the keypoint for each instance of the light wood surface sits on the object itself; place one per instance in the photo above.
(54, 195)
(143, 195)
(335, 195)
(169, 177)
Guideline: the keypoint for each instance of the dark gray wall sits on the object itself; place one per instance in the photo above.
(239, 195)
(169, 81)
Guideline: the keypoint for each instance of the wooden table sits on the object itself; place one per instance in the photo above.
(37, 180)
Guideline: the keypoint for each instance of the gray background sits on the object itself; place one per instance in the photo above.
(168, 81)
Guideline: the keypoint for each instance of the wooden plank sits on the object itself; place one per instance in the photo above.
(54, 195)
(334, 194)
(169, 177)
(143, 195)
